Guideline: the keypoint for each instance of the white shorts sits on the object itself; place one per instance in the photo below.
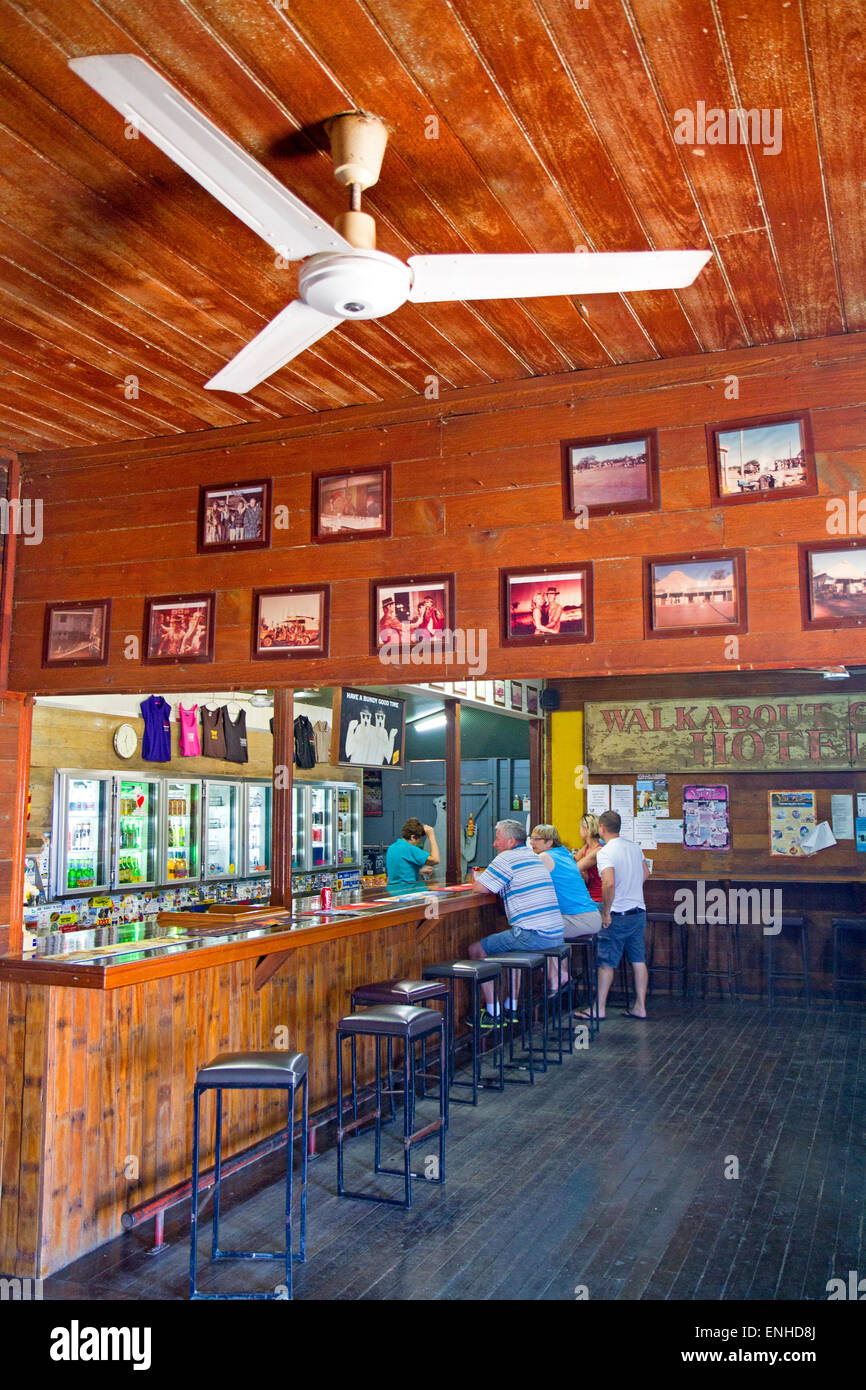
(581, 924)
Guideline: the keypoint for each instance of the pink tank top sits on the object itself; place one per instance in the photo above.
(190, 743)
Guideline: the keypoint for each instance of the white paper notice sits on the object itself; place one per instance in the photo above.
(598, 798)
(861, 805)
(622, 800)
(669, 832)
(645, 830)
(821, 837)
(842, 816)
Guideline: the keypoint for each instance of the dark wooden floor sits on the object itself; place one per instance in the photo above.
(608, 1174)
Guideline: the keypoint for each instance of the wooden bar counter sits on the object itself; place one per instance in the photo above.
(102, 1047)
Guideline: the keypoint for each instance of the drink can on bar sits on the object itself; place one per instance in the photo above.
(326, 897)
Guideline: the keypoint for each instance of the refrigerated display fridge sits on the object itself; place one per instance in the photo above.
(348, 832)
(257, 818)
(135, 860)
(81, 832)
(326, 826)
(299, 828)
(181, 838)
(221, 830)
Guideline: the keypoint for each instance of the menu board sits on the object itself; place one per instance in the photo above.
(792, 818)
(706, 818)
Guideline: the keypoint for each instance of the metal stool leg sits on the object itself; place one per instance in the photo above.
(290, 1132)
(193, 1248)
(217, 1176)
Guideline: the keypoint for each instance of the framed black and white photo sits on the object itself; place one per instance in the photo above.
(179, 628)
(235, 516)
(291, 621)
(611, 473)
(76, 634)
(352, 505)
(411, 612)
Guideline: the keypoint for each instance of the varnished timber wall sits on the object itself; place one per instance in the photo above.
(95, 1079)
(477, 485)
(15, 720)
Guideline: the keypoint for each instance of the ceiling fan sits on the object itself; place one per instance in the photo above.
(343, 276)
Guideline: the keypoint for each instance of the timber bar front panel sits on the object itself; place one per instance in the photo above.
(477, 486)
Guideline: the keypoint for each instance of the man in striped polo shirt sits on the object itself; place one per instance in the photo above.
(522, 880)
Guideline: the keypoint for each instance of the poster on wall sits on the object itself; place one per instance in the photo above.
(371, 729)
(792, 818)
(706, 818)
(373, 794)
(652, 795)
(598, 797)
(622, 801)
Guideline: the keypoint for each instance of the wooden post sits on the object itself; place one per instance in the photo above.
(452, 790)
(536, 770)
(281, 820)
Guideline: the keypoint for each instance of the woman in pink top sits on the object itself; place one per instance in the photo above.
(190, 743)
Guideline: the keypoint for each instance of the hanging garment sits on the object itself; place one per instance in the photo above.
(305, 743)
(235, 731)
(156, 744)
(322, 735)
(190, 743)
(213, 740)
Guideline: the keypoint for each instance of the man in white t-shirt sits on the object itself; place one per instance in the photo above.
(623, 870)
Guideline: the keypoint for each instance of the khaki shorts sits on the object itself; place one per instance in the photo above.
(581, 924)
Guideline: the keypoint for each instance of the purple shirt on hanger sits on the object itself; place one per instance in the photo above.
(156, 744)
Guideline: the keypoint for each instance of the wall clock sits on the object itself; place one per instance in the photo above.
(125, 741)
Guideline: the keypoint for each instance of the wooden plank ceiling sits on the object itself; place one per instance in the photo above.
(554, 130)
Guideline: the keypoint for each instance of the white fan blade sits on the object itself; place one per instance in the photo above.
(295, 328)
(156, 108)
(438, 278)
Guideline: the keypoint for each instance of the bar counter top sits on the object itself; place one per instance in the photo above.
(106, 958)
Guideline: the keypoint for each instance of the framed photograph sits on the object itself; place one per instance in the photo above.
(498, 692)
(515, 695)
(352, 505)
(695, 595)
(546, 605)
(460, 687)
(532, 699)
(368, 730)
(833, 584)
(766, 456)
(76, 634)
(611, 473)
(235, 516)
(373, 794)
(410, 613)
(179, 628)
(291, 621)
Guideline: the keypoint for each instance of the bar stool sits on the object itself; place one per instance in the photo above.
(526, 962)
(798, 922)
(732, 957)
(475, 972)
(553, 1003)
(243, 1071)
(399, 991)
(676, 966)
(857, 927)
(587, 947)
(410, 1025)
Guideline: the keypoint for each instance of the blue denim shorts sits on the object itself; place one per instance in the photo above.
(625, 933)
(517, 939)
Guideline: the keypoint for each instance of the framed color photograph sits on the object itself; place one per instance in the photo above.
(498, 692)
(532, 699)
(76, 634)
(373, 793)
(764, 457)
(833, 584)
(515, 695)
(405, 613)
(695, 595)
(235, 516)
(179, 628)
(611, 473)
(545, 605)
(291, 621)
(352, 505)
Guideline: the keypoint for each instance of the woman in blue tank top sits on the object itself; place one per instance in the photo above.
(580, 915)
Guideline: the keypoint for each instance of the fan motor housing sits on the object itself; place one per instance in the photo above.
(354, 285)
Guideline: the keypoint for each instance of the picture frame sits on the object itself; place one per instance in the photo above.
(833, 584)
(76, 634)
(748, 461)
(291, 621)
(234, 516)
(373, 792)
(368, 730)
(696, 595)
(498, 692)
(342, 501)
(611, 473)
(179, 629)
(543, 605)
(532, 699)
(515, 696)
(407, 611)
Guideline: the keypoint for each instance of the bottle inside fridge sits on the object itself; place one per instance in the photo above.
(181, 812)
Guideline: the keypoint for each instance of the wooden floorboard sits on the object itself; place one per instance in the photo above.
(609, 1173)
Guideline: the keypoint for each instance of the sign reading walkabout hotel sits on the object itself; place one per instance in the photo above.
(793, 732)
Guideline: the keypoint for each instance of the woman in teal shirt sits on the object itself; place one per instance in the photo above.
(580, 915)
(405, 857)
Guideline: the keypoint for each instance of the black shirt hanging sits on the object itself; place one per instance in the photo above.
(305, 743)
(236, 737)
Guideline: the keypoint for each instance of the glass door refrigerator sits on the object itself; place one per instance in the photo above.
(257, 819)
(135, 849)
(181, 838)
(81, 833)
(299, 828)
(221, 837)
(348, 827)
(321, 820)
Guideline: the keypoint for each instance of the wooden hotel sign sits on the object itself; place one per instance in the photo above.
(791, 733)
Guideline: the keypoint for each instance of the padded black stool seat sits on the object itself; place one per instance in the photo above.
(411, 1024)
(554, 1011)
(857, 926)
(236, 1071)
(475, 972)
(397, 992)
(526, 962)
